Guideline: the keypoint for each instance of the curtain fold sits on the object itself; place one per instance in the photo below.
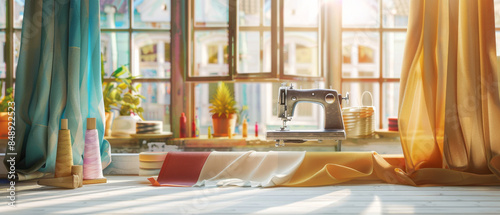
(449, 111)
(58, 76)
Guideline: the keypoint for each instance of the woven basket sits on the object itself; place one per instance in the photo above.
(359, 122)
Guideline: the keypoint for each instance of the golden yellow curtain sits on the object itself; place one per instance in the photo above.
(449, 110)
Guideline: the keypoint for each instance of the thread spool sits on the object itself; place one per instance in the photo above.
(64, 158)
(92, 167)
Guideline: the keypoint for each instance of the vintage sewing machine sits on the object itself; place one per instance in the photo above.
(329, 99)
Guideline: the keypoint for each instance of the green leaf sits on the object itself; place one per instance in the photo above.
(118, 72)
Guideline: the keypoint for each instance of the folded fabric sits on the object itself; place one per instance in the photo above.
(267, 169)
(300, 169)
(181, 169)
(256, 169)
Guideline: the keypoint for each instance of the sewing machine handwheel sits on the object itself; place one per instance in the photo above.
(346, 98)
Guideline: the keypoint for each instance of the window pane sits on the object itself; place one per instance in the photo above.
(3, 66)
(17, 48)
(497, 13)
(360, 51)
(497, 35)
(356, 90)
(391, 102)
(211, 12)
(256, 105)
(152, 14)
(151, 55)
(249, 13)
(249, 49)
(114, 14)
(301, 13)
(210, 53)
(360, 13)
(115, 50)
(300, 53)
(395, 13)
(3, 14)
(267, 12)
(266, 61)
(157, 103)
(393, 50)
(18, 13)
(261, 100)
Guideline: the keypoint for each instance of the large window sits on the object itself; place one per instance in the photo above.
(239, 41)
(373, 41)
(11, 18)
(136, 33)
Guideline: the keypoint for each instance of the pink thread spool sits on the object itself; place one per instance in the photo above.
(92, 167)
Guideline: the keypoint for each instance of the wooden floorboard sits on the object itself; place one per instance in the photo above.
(134, 195)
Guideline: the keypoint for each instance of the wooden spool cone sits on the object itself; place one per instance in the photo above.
(64, 158)
(91, 123)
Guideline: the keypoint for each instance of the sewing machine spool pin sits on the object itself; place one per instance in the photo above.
(329, 99)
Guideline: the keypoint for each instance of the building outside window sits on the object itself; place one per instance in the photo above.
(141, 42)
(373, 40)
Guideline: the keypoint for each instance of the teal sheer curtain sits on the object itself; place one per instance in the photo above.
(58, 76)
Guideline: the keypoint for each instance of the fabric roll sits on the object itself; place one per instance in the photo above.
(152, 156)
(150, 164)
(149, 172)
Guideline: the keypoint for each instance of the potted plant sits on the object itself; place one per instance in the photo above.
(122, 95)
(223, 110)
(4, 111)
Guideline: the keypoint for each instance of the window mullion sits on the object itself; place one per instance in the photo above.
(9, 36)
(233, 38)
(130, 38)
(274, 39)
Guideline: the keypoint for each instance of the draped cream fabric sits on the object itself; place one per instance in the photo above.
(256, 169)
(449, 111)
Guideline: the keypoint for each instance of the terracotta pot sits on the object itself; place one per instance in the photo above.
(109, 121)
(4, 125)
(222, 124)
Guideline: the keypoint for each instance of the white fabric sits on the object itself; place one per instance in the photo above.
(256, 169)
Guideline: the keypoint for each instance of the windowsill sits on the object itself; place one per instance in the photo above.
(383, 139)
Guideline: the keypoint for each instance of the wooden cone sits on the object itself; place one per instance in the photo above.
(78, 170)
(63, 182)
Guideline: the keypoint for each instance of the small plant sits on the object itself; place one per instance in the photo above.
(222, 102)
(121, 93)
(9, 97)
(242, 115)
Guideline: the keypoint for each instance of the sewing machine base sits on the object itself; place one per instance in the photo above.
(299, 136)
(327, 134)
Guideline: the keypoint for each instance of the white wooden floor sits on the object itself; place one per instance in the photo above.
(134, 195)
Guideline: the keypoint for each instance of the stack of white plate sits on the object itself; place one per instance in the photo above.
(150, 163)
(149, 127)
